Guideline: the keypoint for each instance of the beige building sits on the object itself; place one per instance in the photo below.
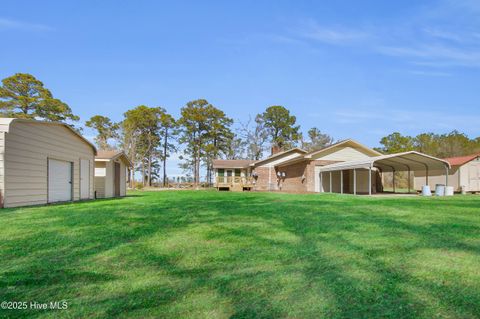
(344, 167)
(43, 162)
(464, 173)
(111, 171)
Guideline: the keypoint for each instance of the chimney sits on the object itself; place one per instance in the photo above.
(275, 149)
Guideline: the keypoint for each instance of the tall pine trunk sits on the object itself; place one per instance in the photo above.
(149, 170)
(143, 171)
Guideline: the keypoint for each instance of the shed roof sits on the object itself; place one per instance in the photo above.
(460, 160)
(393, 162)
(6, 122)
(231, 163)
(113, 155)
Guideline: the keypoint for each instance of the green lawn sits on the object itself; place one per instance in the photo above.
(205, 254)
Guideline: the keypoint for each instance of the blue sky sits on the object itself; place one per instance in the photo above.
(359, 69)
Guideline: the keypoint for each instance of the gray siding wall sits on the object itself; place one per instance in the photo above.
(105, 185)
(2, 165)
(437, 177)
(27, 149)
(100, 180)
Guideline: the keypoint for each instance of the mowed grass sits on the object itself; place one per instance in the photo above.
(205, 254)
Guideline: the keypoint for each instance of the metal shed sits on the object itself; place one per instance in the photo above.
(464, 174)
(43, 162)
(111, 174)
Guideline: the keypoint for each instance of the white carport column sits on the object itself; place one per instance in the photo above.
(354, 181)
(446, 175)
(370, 180)
(426, 175)
(341, 181)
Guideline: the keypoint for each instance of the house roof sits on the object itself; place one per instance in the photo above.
(6, 122)
(460, 160)
(231, 163)
(281, 154)
(113, 155)
(316, 152)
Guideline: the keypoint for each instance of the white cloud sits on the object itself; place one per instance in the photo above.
(338, 35)
(8, 24)
(446, 35)
(435, 36)
(435, 55)
(414, 121)
(429, 73)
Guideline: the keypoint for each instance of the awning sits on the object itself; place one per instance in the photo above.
(393, 162)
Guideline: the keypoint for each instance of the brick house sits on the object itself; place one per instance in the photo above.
(343, 167)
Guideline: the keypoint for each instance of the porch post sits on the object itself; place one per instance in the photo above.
(341, 182)
(354, 181)
(370, 180)
(331, 182)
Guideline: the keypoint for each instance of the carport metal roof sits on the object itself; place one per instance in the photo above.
(407, 161)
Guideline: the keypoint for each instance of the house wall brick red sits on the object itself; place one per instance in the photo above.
(295, 178)
(262, 181)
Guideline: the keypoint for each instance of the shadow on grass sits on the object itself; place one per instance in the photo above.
(280, 255)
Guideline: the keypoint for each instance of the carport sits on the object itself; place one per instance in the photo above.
(408, 162)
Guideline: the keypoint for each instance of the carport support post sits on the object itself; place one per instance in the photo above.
(393, 181)
(331, 182)
(341, 182)
(354, 181)
(370, 180)
(426, 175)
(409, 182)
(446, 175)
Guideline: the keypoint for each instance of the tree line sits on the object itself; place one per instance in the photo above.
(149, 135)
(446, 145)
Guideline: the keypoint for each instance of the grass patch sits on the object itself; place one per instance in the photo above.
(245, 255)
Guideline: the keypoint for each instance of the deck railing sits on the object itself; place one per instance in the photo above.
(233, 180)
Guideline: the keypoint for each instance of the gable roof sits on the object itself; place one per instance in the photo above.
(231, 163)
(113, 155)
(6, 122)
(281, 154)
(347, 141)
(392, 162)
(460, 160)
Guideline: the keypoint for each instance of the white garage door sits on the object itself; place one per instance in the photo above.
(84, 179)
(59, 181)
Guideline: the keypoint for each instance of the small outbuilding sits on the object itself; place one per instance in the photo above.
(464, 174)
(43, 162)
(111, 171)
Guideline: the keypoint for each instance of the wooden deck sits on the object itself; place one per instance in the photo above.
(234, 183)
